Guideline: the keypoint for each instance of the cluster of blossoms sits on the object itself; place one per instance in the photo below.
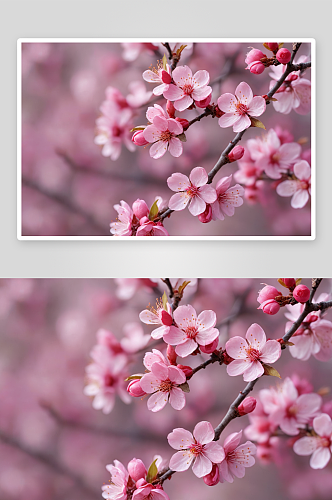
(257, 61)
(271, 299)
(138, 220)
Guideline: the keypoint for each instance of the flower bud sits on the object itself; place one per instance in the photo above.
(206, 216)
(270, 307)
(140, 208)
(170, 109)
(213, 478)
(301, 293)
(283, 56)
(137, 469)
(134, 388)
(236, 154)
(144, 220)
(141, 483)
(256, 68)
(254, 55)
(187, 370)
(183, 122)
(204, 102)
(138, 138)
(273, 46)
(166, 77)
(268, 292)
(247, 406)
(171, 354)
(208, 349)
(166, 318)
(289, 282)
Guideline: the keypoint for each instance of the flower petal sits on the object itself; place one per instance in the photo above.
(181, 461)
(197, 206)
(175, 147)
(254, 371)
(256, 336)
(244, 93)
(178, 182)
(179, 201)
(202, 466)
(237, 367)
(271, 351)
(157, 401)
(203, 432)
(226, 103)
(186, 348)
(198, 176)
(158, 149)
(236, 348)
(320, 458)
(177, 398)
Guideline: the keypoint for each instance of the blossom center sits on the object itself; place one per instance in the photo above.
(324, 442)
(166, 386)
(292, 411)
(275, 158)
(187, 88)
(302, 185)
(116, 131)
(165, 136)
(253, 354)
(197, 449)
(191, 332)
(241, 109)
(109, 380)
(192, 191)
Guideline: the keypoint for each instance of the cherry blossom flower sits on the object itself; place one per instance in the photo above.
(248, 356)
(289, 410)
(163, 134)
(198, 449)
(106, 378)
(134, 338)
(237, 458)
(261, 427)
(191, 331)
(187, 87)
(319, 446)
(240, 107)
(150, 228)
(159, 75)
(228, 198)
(123, 225)
(162, 382)
(117, 488)
(194, 191)
(299, 188)
(138, 94)
(158, 316)
(149, 491)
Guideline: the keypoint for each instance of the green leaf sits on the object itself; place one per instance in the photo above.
(134, 377)
(183, 286)
(257, 123)
(184, 387)
(152, 472)
(182, 137)
(269, 370)
(139, 127)
(165, 301)
(153, 211)
(282, 283)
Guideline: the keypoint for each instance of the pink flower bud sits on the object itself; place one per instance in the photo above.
(206, 216)
(268, 292)
(166, 318)
(213, 478)
(247, 406)
(183, 122)
(134, 388)
(166, 77)
(273, 46)
(256, 68)
(283, 56)
(170, 109)
(301, 293)
(208, 349)
(138, 138)
(204, 102)
(254, 55)
(270, 307)
(141, 483)
(140, 208)
(236, 154)
(289, 282)
(187, 370)
(137, 470)
(171, 354)
(144, 220)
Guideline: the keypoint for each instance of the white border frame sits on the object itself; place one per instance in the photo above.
(312, 41)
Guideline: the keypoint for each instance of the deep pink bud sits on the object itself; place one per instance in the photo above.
(166, 318)
(247, 406)
(140, 208)
(301, 293)
(204, 102)
(171, 354)
(138, 138)
(137, 469)
(270, 307)
(268, 292)
(256, 68)
(166, 77)
(236, 154)
(170, 109)
(283, 56)
(254, 55)
(134, 388)
(289, 282)
(273, 46)
(208, 349)
(144, 220)
(183, 122)
(213, 478)
(187, 370)
(141, 482)
(206, 216)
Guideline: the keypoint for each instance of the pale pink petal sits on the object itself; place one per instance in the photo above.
(289, 152)
(186, 348)
(158, 333)
(236, 348)
(151, 133)
(198, 176)
(160, 123)
(300, 198)
(154, 111)
(153, 357)
(305, 446)
(244, 93)
(201, 78)
(270, 352)
(199, 94)
(254, 371)
(203, 432)
(202, 466)
(181, 461)
(179, 201)
(177, 398)
(182, 75)
(206, 337)
(175, 147)
(302, 89)
(180, 439)
(237, 469)
(150, 76)
(178, 182)
(208, 194)
(303, 347)
(148, 317)
(308, 404)
(174, 336)
(226, 103)
(157, 401)
(173, 92)
(256, 336)
(174, 126)
(158, 149)
(323, 333)
(150, 383)
(237, 367)
(158, 494)
(320, 458)
(302, 170)
(287, 188)
(224, 472)
(185, 316)
(160, 371)
(176, 375)
(160, 89)
(228, 119)
(214, 452)
(183, 103)
(323, 425)
(223, 184)
(206, 319)
(257, 106)
(243, 123)
(197, 206)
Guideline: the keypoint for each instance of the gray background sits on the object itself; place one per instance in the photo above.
(182, 18)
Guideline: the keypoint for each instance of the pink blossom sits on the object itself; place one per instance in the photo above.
(138, 94)
(137, 469)
(134, 389)
(248, 356)
(228, 198)
(148, 491)
(191, 331)
(299, 188)
(158, 316)
(187, 87)
(253, 60)
(266, 298)
(261, 427)
(163, 134)
(193, 190)
(289, 410)
(283, 56)
(163, 383)
(151, 228)
(237, 458)
(123, 226)
(301, 293)
(276, 158)
(140, 208)
(247, 406)
(134, 339)
(240, 107)
(295, 93)
(198, 449)
(117, 488)
(320, 446)
(159, 75)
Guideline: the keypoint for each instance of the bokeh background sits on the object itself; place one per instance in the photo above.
(69, 188)
(54, 445)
